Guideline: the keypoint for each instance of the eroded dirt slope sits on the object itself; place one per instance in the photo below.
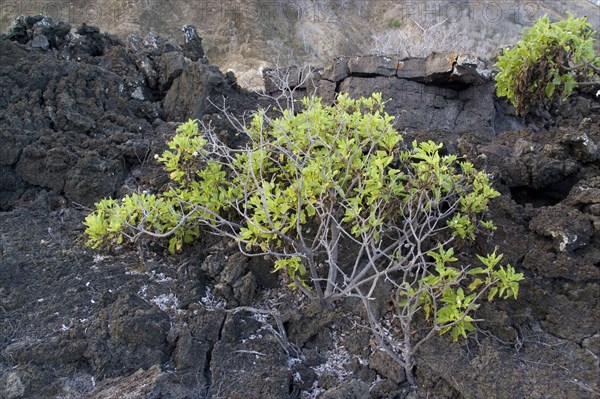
(250, 35)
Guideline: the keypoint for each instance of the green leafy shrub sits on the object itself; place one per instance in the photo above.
(344, 207)
(175, 213)
(549, 62)
(394, 23)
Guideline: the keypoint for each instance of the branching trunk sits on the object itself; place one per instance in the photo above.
(333, 261)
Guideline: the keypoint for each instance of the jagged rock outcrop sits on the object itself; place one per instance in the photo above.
(188, 96)
(80, 108)
(192, 44)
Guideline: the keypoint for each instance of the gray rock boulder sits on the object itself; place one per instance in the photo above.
(373, 65)
(337, 71)
(170, 66)
(189, 93)
(41, 42)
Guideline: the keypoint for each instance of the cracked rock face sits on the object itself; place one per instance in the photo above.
(446, 92)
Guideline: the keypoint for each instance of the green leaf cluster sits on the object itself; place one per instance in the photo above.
(346, 162)
(328, 158)
(199, 191)
(457, 301)
(551, 60)
(307, 182)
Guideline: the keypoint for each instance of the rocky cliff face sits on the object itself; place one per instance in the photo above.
(450, 93)
(82, 113)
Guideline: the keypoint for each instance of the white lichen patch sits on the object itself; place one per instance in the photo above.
(211, 302)
(142, 291)
(252, 337)
(138, 94)
(337, 359)
(158, 277)
(262, 318)
(314, 392)
(565, 239)
(166, 302)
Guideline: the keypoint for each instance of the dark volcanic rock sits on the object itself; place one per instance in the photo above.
(12, 186)
(470, 70)
(435, 69)
(192, 44)
(41, 42)
(234, 282)
(128, 334)
(326, 90)
(39, 27)
(140, 385)
(459, 71)
(188, 95)
(354, 389)
(415, 104)
(253, 355)
(201, 89)
(170, 66)
(373, 66)
(568, 228)
(109, 175)
(445, 92)
(274, 78)
(337, 71)
(76, 119)
(55, 116)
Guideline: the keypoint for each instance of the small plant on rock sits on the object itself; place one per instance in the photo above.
(344, 208)
(394, 23)
(549, 62)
